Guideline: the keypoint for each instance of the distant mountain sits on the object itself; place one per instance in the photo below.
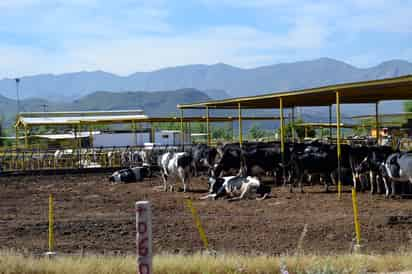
(160, 103)
(209, 78)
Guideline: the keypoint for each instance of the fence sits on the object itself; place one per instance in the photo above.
(48, 159)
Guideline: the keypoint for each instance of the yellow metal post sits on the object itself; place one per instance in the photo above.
(91, 140)
(152, 133)
(51, 224)
(240, 124)
(293, 124)
(202, 233)
(134, 132)
(208, 127)
(355, 216)
(17, 137)
(182, 133)
(330, 123)
(338, 143)
(282, 130)
(26, 137)
(378, 135)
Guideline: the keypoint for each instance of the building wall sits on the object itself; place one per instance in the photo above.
(127, 139)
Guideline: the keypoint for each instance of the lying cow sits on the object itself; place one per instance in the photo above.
(236, 187)
(175, 166)
(129, 175)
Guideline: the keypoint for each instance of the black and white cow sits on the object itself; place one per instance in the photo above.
(373, 164)
(236, 188)
(203, 158)
(129, 175)
(321, 160)
(175, 165)
(397, 169)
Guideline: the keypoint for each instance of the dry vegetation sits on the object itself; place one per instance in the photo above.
(13, 263)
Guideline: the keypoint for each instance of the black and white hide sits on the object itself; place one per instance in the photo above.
(175, 166)
(236, 188)
(397, 169)
(129, 175)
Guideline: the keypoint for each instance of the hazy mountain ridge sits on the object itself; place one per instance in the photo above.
(160, 103)
(235, 81)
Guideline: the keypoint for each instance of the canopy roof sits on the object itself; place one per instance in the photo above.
(398, 88)
(325, 125)
(386, 115)
(30, 120)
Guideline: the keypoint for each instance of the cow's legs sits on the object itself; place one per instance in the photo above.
(378, 184)
(164, 179)
(385, 183)
(393, 186)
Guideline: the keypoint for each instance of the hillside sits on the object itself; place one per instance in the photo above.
(160, 103)
(235, 81)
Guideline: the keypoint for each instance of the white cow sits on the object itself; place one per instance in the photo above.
(175, 166)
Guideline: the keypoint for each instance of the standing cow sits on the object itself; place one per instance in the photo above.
(397, 169)
(175, 165)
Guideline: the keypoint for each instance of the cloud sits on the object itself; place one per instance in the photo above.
(39, 36)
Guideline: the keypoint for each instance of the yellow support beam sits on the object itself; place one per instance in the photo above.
(26, 137)
(239, 109)
(356, 217)
(182, 133)
(330, 123)
(338, 143)
(293, 124)
(378, 135)
(282, 129)
(208, 127)
(134, 132)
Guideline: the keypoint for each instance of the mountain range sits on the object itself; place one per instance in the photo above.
(218, 81)
(159, 103)
(99, 90)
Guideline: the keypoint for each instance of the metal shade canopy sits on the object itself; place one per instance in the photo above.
(398, 88)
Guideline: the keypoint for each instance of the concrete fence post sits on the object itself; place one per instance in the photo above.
(144, 237)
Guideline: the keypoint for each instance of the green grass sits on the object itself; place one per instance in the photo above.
(14, 263)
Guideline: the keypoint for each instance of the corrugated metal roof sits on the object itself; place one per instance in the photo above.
(399, 88)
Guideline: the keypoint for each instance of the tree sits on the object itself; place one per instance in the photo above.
(407, 106)
(256, 132)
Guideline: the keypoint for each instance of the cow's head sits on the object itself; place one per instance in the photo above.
(115, 177)
(215, 183)
(364, 166)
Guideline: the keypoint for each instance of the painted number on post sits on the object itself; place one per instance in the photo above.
(144, 237)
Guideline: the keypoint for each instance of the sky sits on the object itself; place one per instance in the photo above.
(126, 36)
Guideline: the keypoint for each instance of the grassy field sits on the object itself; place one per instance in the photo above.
(13, 263)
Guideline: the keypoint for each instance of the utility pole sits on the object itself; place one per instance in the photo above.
(17, 95)
(45, 107)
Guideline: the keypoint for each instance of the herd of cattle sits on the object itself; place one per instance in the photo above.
(238, 171)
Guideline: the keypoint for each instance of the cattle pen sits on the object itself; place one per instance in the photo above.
(95, 216)
(28, 156)
(375, 91)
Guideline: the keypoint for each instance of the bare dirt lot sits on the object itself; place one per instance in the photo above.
(96, 216)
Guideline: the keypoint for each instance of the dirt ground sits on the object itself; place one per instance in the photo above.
(95, 216)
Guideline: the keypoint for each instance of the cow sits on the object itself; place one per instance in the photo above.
(318, 159)
(175, 165)
(203, 157)
(356, 157)
(373, 164)
(397, 169)
(129, 175)
(236, 188)
(250, 159)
